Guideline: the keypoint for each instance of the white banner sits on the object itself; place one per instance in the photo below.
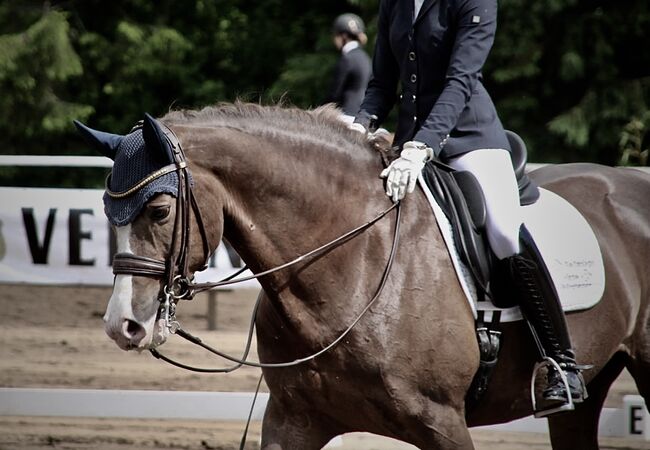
(61, 237)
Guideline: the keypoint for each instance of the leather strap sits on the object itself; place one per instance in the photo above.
(130, 264)
(177, 263)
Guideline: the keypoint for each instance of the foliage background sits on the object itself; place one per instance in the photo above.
(571, 76)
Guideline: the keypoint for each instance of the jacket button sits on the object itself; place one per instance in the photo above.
(415, 118)
(414, 97)
(414, 78)
(412, 56)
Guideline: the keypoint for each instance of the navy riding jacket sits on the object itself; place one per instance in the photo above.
(437, 59)
(350, 80)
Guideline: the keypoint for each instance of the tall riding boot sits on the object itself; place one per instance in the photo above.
(541, 307)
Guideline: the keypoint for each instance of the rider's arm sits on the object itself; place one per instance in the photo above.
(476, 22)
(381, 92)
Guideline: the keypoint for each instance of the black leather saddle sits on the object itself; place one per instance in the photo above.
(461, 199)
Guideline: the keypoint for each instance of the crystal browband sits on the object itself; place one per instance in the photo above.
(142, 183)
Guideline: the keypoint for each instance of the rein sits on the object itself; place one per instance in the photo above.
(243, 361)
(179, 282)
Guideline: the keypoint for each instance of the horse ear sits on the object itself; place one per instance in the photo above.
(155, 140)
(105, 143)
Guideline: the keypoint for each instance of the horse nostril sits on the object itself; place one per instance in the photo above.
(133, 330)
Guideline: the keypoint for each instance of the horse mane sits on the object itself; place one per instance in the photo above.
(317, 128)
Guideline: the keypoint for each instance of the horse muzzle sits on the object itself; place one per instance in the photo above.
(129, 334)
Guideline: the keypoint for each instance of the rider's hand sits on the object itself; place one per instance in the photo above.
(358, 127)
(379, 133)
(402, 174)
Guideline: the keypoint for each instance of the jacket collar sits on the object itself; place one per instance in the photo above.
(348, 47)
(426, 6)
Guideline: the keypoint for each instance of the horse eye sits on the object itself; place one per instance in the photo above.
(159, 213)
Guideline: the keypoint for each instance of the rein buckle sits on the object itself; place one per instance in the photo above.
(181, 289)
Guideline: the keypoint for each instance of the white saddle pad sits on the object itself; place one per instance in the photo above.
(565, 240)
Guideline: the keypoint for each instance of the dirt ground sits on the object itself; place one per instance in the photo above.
(53, 338)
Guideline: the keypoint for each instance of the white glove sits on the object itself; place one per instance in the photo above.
(380, 132)
(357, 127)
(402, 174)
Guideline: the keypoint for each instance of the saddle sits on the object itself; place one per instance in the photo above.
(461, 199)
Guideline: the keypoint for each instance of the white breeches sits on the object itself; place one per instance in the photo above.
(495, 174)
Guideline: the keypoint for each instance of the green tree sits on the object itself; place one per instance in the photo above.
(570, 74)
(35, 66)
(38, 65)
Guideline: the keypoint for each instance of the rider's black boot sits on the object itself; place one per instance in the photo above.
(555, 389)
(541, 307)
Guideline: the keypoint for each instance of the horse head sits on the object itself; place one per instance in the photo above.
(149, 202)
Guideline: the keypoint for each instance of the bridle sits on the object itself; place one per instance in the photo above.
(175, 269)
(179, 283)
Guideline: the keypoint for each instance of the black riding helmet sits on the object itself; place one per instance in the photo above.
(350, 24)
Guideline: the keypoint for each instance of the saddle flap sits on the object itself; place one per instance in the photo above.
(473, 197)
(461, 199)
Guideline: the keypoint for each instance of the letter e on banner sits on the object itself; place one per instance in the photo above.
(636, 417)
(76, 234)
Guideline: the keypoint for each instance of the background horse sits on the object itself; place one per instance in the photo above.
(279, 182)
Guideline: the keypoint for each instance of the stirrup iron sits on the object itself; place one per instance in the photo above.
(568, 405)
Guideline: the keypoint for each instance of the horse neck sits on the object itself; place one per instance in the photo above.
(279, 201)
(283, 199)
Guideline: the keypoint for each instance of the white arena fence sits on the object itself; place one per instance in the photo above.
(632, 421)
(61, 237)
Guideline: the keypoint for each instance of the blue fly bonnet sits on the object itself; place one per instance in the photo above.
(143, 168)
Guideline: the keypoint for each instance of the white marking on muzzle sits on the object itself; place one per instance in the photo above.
(119, 306)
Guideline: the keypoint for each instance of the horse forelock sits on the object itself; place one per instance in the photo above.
(319, 128)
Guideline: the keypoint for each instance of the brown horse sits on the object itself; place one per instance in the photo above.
(277, 183)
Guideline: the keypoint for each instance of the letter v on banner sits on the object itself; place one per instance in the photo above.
(38, 250)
